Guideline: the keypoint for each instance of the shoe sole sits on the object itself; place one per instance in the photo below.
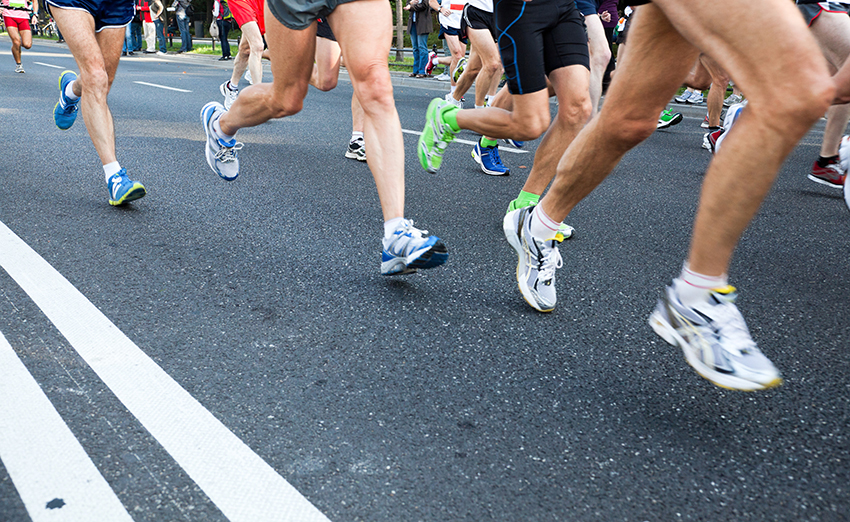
(677, 119)
(825, 182)
(421, 148)
(516, 243)
(664, 330)
(137, 192)
(210, 107)
(354, 156)
(55, 107)
(425, 258)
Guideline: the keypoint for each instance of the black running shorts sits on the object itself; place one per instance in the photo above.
(537, 37)
(474, 18)
(323, 30)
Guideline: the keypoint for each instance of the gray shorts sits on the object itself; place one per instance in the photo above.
(299, 14)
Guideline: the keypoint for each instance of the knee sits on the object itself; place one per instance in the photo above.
(95, 82)
(530, 127)
(288, 104)
(600, 54)
(575, 112)
(628, 132)
(493, 66)
(375, 92)
(256, 47)
(326, 82)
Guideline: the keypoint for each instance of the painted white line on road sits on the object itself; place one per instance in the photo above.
(162, 86)
(54, 476)
(49, 65)
(237, 480)
(467, 142)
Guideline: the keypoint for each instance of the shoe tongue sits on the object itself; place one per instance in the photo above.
(724, 294)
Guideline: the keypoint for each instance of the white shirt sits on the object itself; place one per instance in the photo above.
(453, 20)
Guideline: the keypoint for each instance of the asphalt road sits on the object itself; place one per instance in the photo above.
(435, 396)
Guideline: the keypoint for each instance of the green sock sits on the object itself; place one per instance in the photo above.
(449, 115)
(488, 143)
(527, 198)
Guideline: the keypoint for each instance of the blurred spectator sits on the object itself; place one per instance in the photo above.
(183, 11)
(224, 20)
(419, 26)
(157, 13)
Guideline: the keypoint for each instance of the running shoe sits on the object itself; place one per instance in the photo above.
(356, 150)
(432, 56)
(732, 99)
(715, 340)
(831, 175)
(221, 155)
(515, 143)
(19, 68)
(444, 77)
(682, 98)
(436, 135)
(409, 249)
(847, 193)
(458, 70)
(123, 190)
(710, 140)
(668, 118)
(456, 103)
(704, 123)
(696, 98)
(844, 153)
(565, 230)
(65, 110)
(230, 94)
(537, 260)
(489, 159)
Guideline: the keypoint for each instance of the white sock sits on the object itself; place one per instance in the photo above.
(693, 288)
(452, 89)
(110, 169)
(69, 91)
(390, 226)
(480, 106)
(233, 86)
(541, 225)
(355, 135)
(219, 132)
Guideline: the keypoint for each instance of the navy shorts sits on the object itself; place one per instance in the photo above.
(587, 7)
(106, 13)
(537, 37)
(451, 31)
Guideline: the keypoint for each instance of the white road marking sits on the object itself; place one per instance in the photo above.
(54, 476)
(162, 86)
(49, 65)
(237, 480)
(467, 142)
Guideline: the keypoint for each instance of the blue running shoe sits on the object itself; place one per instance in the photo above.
(123, 190)
(65, 111)
(409, 249)
(515, 143)
(222, 155)
(489, 159)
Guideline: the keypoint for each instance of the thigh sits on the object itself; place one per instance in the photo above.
(485, 47)
(110, 40)
(364, 32)
(327, 57)
(832, 32)
(291, 54)
(14, 34)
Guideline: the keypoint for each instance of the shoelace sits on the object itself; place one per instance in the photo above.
(727, 323)
(497, 159)
(228, 154)
(549, 263)
(407, 231)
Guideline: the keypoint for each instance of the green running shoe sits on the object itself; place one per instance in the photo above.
(436, 135)
(668, 118)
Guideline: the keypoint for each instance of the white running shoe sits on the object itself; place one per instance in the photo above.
(696, 98)
(19, 68)
(456, 103)
(682, 98)
(230, 94)
(715, 340)
(248, 77)
(221, 155)
(537, 260)
(444, 77)
(409, 249)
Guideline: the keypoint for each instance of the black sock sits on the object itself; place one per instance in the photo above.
(824, 161)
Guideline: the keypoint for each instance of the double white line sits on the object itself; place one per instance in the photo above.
(49, 467)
